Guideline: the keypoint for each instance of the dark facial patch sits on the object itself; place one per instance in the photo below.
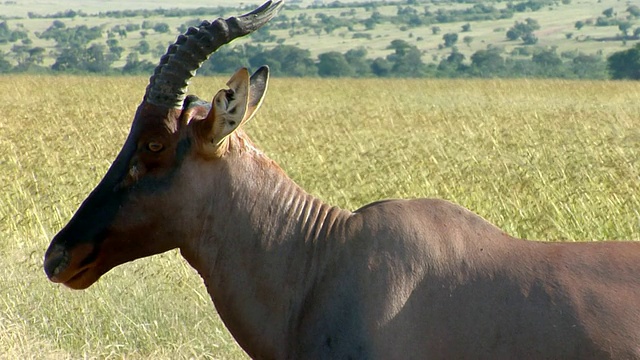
(92, 223)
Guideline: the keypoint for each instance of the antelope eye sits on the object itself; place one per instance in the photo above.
(154, 146)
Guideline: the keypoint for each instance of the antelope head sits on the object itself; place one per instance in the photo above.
(132, 212)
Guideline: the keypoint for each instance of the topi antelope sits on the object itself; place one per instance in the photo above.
(294, 278)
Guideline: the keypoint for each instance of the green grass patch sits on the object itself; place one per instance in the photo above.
(541, 159)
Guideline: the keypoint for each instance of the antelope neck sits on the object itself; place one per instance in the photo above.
(264, 240)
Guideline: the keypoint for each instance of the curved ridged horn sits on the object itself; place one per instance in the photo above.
(168, 84)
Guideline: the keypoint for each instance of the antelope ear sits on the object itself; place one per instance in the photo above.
(257, 90)
(247, 101)
(229, 107)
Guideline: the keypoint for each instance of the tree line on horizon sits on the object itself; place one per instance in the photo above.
(79, 50)
(404, 60)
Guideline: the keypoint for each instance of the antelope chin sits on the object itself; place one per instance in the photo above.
(84, 278)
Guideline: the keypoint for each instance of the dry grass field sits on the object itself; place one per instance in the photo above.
(541, 159)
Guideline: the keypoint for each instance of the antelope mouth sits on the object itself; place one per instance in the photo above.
(75, 269)
(82, 279)
(76, 276)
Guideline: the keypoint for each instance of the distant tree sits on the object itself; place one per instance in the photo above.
(568, 35)
(134, 66)
(76, 55)
(57, 24)
(533, 5)
(334, 64)
(452, 65)
(435, 30)
(360, 35)
(96, 60)
(74, 50)
(589, 66)
(21, 54)
(415, 20)
(77, 58)
(121, 31)
(521, 51)
(225, 60)
(78, 36)
(529, 39)
(487, 62)
(286, 60)
(68, 60)
(634, 10)
(369, 24)
(159, 49)
(373, 20)
(608, 12)
(636, 32)
(143, 47)
(161, 28)
(36, 55)
(132, 27)
(5, 32)
(523, 30)
(381, 67)
(406, 59)
(357, 59)
(455, 58)
(264, 35)
(16, 35)
(5, 66)
(450, 39)
(513, 35)
(624, 27)
(603, 21)
(115, 49)
(467, 40)
(547, 58)
(466, 27)
(579, 24)
(625, 64)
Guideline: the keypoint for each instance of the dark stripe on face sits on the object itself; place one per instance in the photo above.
(93, 221)
(98, 210)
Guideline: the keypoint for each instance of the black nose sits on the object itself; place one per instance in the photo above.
(55, 260)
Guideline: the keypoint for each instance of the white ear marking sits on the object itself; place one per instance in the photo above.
(234, 106)
(230, 106)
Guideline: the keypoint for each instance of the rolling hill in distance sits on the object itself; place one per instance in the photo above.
(568, 28)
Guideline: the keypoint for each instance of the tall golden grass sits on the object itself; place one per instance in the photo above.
(544, 159)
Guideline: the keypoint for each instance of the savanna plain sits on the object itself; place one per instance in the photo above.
(544, 159)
